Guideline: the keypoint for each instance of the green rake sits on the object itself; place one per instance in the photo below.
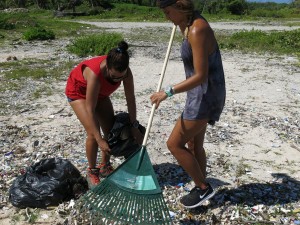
(131, 194)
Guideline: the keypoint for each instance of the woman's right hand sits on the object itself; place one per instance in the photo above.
(157, 98)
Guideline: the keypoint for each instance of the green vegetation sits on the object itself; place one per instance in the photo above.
(96, 44)
(34, 69)
(242, 168)
(38, 33)
(15, 74)
(127, 12)
(40, 24)
(283, 42)
(15, 25)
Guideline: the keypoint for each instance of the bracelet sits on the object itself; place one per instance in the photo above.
(169, 91)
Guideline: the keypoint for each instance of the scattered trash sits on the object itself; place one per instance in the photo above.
(41, 132)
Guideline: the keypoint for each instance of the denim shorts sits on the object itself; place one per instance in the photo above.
(70, 100)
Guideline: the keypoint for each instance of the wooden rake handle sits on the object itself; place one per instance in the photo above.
(159, 86)
(143, 149)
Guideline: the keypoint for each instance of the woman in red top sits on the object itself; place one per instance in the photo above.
(88, 89)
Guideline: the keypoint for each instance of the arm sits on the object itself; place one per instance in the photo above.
(202, 42)
(129, 94)
(131, 104)
(92, 127)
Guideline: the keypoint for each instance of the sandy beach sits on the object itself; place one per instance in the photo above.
(256, 141)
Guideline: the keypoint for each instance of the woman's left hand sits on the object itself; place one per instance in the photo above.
(157, 98)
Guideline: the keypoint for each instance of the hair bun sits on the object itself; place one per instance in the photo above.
(123, 46)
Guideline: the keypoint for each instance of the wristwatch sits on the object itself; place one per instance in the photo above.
(135, 124)
(169, 91)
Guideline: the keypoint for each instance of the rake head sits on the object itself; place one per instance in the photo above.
(130, 195)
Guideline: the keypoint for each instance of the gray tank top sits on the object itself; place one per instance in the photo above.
(207, 100)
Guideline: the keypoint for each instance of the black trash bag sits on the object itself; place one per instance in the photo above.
(120, 139)
(47, 183)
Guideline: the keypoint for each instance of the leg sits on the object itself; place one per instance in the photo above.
(195, 146)
(106, 121)
(90, 144)
(184, 131)
(192, 159)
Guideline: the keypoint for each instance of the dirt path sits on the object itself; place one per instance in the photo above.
(234, 26)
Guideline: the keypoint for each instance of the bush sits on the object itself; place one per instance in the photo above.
(5, 25)
(38, 33)
(267, 13)
(237, 7)
(97, 44)
(282, 42)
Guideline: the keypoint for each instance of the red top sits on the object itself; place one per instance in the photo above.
(76, 84)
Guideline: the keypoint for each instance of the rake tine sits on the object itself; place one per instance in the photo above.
(141, 204)
(118, 212)
(150, 211)
(157, 212)
(144, 209)
(160, 205)
(149, 205)
(131, 199)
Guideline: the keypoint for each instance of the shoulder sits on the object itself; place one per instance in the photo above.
(199, 27)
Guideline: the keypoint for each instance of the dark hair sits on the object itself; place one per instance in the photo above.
(164, 3)
(118, 58)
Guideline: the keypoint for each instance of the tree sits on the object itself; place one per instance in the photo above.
(296, 4)
(237, 7)
(21, 3)
(215, 6)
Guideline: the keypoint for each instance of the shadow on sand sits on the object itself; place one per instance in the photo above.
(282, 190)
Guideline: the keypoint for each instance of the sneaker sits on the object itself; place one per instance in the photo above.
(105, 169)
(92, 177)
(197, 197)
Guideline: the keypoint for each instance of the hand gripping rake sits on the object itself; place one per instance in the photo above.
(131, 194)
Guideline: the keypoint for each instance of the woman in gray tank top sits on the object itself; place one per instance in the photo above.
(205, 87)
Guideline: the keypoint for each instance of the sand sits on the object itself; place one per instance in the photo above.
(258, 131)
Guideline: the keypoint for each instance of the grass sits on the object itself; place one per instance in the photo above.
(280, 42)
(44, 90)
(95, 44)
(35, 69)
(241, 168)
(127, 13)
(18, 75)
(13, 26)
(118, 95)
(18, 23)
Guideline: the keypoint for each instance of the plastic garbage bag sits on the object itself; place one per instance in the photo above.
(47, 183)
(120, 139)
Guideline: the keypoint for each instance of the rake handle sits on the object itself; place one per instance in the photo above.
(159, 86)
(157, 90)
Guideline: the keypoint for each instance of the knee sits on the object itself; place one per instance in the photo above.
(172, 146)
